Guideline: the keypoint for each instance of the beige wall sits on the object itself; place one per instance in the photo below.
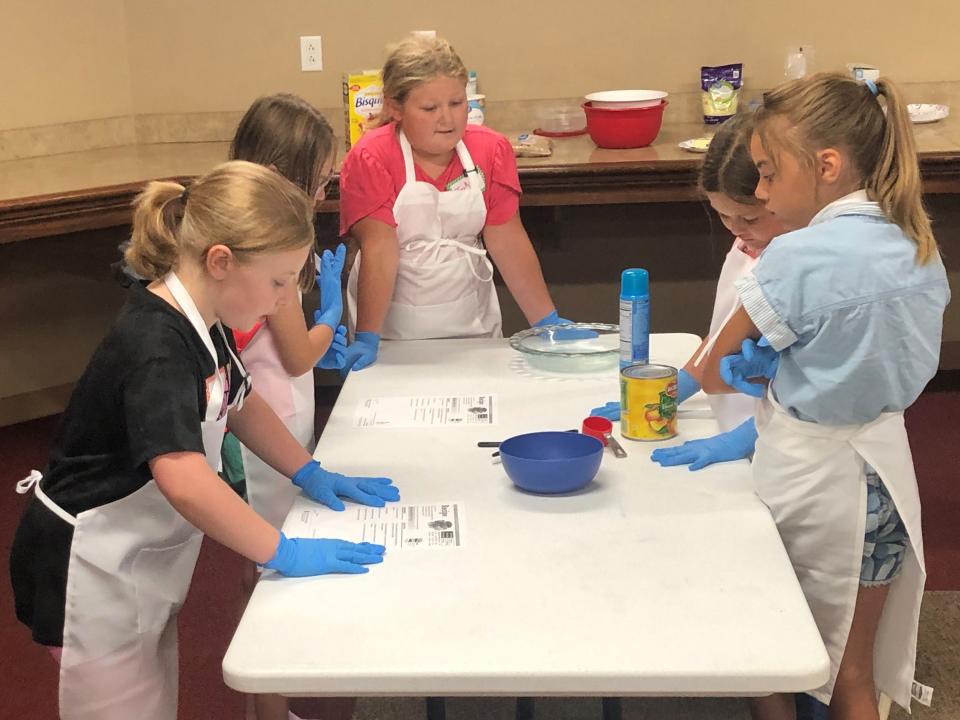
(176, 56)
(227, 52)
(62, 62)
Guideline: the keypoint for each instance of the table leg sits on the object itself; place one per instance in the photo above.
(436, 709)
(524, 709)
(612, 710)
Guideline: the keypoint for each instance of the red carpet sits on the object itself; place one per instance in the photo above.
(933, 424)
(28, 676)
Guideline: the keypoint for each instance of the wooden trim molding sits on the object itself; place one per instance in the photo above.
(543, 185)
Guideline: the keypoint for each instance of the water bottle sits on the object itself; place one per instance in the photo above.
(634, 317)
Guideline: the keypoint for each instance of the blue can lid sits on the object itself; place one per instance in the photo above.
(634, 282)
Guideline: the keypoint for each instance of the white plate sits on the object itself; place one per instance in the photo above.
(925, 113)
(623, 99)
(693, 146)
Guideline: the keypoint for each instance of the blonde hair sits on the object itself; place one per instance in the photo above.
(244, 206)
(416, 60)
(834, 110)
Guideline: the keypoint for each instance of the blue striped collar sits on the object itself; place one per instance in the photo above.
(856, 203)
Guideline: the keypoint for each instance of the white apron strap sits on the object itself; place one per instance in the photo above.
(713, 338)
(408, 166)
(247, 382)
(466, 160)
(469, 168)
(189, 308)
(475, 187)
(468, 248)
(32, 481)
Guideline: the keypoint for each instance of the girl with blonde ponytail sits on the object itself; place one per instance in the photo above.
(850, 304)
(106, 548)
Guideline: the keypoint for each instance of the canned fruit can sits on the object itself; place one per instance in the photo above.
(648, 400)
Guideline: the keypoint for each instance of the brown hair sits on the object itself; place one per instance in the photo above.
(288, 133)
(833, 110)
(416, 60)
(242, 205)
(727, 167)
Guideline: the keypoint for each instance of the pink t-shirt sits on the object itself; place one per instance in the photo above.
(372, 175)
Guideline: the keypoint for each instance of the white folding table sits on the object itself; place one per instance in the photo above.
(650, 581)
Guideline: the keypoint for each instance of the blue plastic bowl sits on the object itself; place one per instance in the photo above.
(551, 462)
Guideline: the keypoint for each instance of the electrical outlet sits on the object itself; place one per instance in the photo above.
(311, 53)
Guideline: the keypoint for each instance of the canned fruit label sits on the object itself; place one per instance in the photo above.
(648, 402)
(661, 415)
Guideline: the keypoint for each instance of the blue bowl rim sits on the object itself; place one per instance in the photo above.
(597, 449)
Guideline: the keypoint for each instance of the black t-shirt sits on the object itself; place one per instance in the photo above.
(142, 395)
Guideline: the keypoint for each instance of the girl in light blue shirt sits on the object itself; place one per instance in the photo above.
(853, 301)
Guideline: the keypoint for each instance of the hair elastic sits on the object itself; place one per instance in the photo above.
(871, 86)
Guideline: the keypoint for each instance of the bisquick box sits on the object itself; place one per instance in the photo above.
(362, 102)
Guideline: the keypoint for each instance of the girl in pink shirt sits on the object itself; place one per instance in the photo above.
(427, 197)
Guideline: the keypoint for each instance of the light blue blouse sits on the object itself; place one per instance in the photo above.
(857, 320)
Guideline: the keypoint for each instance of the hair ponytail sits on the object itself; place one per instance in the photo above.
(154, 248)
(895, 182)
(246, 207)
(833, 110)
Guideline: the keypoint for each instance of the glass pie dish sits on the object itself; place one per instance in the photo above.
(573, 348)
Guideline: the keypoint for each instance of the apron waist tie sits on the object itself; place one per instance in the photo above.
(32, 482)
(466, 248)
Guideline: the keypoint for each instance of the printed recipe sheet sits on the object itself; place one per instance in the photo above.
(431, 411)
(398, 527)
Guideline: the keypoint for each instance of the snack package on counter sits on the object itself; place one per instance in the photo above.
(530, 145)
(720, 91)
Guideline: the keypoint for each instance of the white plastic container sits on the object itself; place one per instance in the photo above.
(623, 99)
(861, 71)
(476, 104)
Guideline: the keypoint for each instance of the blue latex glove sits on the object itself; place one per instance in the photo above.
(328, 280)
(324, 487)
(361, 353)
(336, 354)
(755, 359)
(734, 445)
(687, 387)
(610, 410)
(572, 334)
(299, 557)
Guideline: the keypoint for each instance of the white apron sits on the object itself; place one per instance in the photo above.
(131, 562)
(733, 409)
(270, 493)
(444, 286)
(812, 478)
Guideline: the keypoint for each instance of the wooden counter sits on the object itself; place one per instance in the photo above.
(58, 194)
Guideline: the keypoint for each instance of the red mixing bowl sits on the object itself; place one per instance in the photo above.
(628, 128)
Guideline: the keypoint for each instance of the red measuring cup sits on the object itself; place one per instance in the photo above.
(602, 430)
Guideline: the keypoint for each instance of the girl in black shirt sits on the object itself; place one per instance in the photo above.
(104, 554)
